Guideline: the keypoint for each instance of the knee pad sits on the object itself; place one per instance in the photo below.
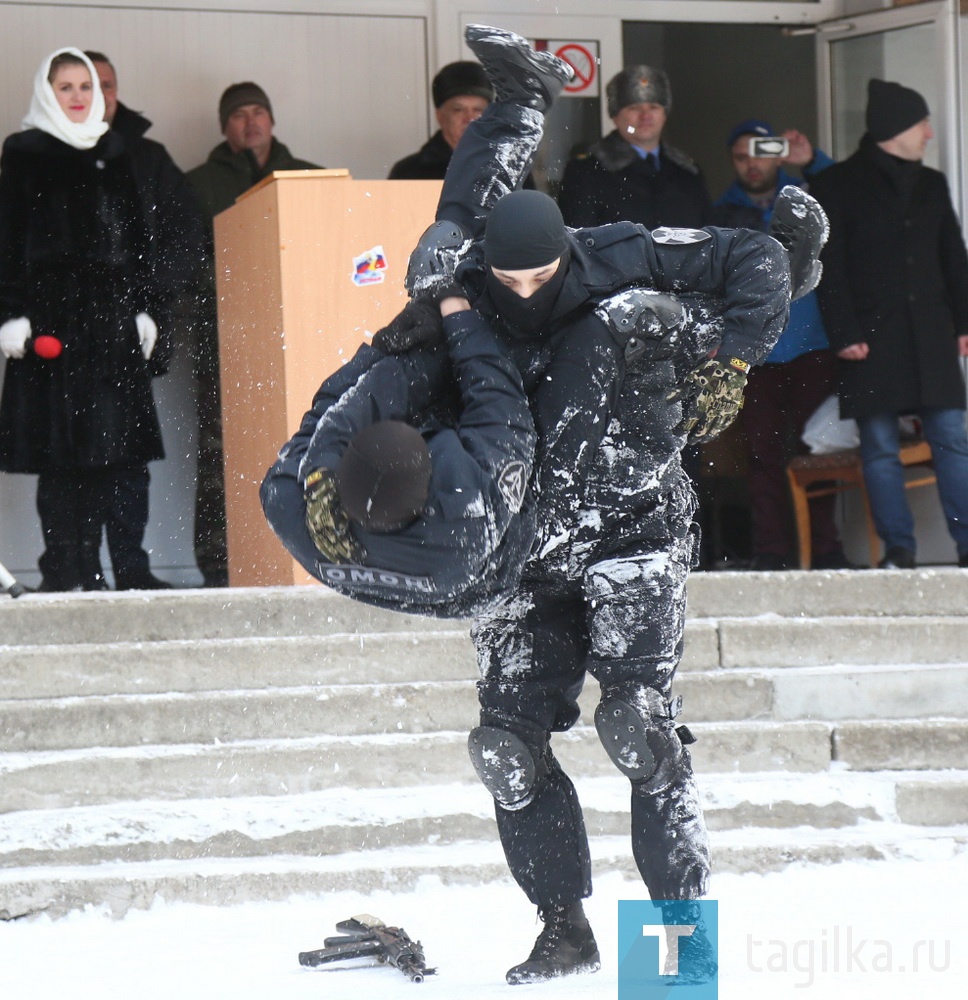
(508, 765)
(635, 725)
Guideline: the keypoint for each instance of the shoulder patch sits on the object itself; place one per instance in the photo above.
(512, 483)
(679, 237)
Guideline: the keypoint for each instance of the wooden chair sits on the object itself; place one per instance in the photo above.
(812, 476)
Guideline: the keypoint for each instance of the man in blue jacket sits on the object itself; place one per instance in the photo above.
(798, 374)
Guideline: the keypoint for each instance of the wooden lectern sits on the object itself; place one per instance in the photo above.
(307, 262)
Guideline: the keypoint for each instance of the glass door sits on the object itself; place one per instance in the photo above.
(916, 45)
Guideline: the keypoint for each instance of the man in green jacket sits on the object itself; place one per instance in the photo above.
(249, 153)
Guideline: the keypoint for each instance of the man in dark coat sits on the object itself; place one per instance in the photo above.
(895, 303)
(461, 91)
(126, 507)
(632, 175)
(249, 153)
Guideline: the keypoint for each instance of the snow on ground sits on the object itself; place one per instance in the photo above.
(888, 929)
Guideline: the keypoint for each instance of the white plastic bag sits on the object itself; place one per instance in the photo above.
(824, 432)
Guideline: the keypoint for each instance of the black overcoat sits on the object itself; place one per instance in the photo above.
(896, 278)
(612, 184)
(88, 239)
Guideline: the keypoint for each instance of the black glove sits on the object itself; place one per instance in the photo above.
(712, 396)
(327, 522)
(418, 325)
(430, 270)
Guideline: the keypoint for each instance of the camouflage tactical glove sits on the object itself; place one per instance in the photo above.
(712, 396)
(418, 325)
(328, 525)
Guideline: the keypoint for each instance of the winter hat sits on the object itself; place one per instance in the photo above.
(461, 79)
(47, 115)
(384, 476)
(751, 126)
(237, 96)
(638, 85)
(524, 230)
(892, 109)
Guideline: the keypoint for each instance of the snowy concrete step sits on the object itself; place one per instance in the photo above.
(828, 594)
(62, 671)
(58, 779)
(806, 642)
(157, 616)
(902, 744)
(297, 712)
(35, 671)
(125, 720)
(121, 886)
(403, 648)
(294, 611)
(345, 820)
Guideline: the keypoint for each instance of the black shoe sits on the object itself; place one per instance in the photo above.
(215, 578)
(800, 226)
(565, 947)
(640, 318)
(51, 585)
(515, 70)
(141, 581)
(963, 560)
(89, 567)
(769, 562)
(897, 557)
(831, 560)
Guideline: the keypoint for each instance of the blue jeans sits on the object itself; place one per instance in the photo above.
(944, 431)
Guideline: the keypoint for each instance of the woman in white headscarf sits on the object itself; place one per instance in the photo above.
(87, 262)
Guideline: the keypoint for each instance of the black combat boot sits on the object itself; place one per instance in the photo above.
(516, 71)
(565, 947)
(800, 226)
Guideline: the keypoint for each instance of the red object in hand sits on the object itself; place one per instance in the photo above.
(47, 347)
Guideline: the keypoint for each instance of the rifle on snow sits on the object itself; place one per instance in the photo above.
(364, 935)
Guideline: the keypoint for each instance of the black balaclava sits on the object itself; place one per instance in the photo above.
(525, 230)
(384, 476)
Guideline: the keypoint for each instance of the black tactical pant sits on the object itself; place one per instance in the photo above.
(622, 622)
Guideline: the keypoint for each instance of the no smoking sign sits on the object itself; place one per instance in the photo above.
(583, 58)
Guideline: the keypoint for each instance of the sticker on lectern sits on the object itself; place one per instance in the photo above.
(370, 267)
